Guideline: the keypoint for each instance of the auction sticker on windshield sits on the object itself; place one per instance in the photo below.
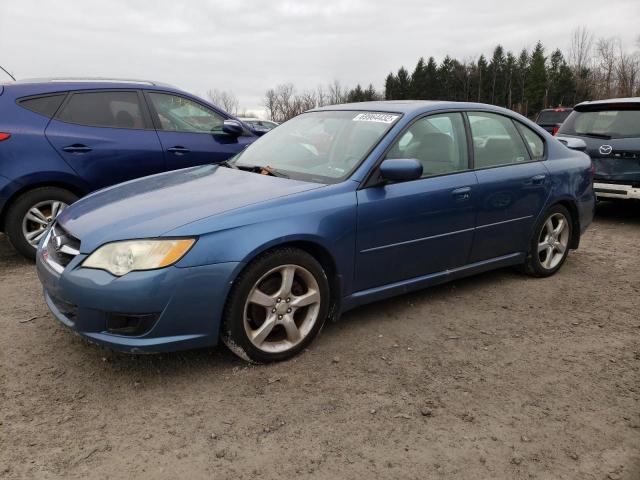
(375, 117)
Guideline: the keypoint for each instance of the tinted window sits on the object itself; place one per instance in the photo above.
(608, 123)
(495, 140)
(178, 114)
(535, 143)
(552, 116)
(438, 142)
(44, 105)
(104, 109)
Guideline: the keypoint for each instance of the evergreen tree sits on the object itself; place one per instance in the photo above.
(536, 88)
(418, 80)
(432, 90)
(482, 79)
(509, 79)
(496, 70)
(370, 94)
(391, 87)
(522, 68)
(403, 84)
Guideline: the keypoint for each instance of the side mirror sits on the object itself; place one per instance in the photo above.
(573, 143)
(400, 169)
(232, 127)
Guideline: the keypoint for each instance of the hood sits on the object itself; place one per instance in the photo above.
(152, 206)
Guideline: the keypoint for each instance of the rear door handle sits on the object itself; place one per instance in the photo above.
(178, 150)
(77, 148)
(537, 179)
(463, 193)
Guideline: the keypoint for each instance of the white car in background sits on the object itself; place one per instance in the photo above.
(257, 124)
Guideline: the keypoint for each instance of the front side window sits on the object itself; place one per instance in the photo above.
(323, 146)
(535, 143)
(114, 109)
(179, 114)
(495, 140)
(438, 142)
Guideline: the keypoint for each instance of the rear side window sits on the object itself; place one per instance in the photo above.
(496, 141)
(104, 109)
(535, 143)
(45, 105)
(614, 123)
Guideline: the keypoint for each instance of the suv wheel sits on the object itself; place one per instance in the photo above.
(31, 213)
(277, 306)
(550, 243)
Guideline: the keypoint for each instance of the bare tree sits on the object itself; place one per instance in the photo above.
(225, 100)
(627, 72)
(606, 60)
(337, 93)
(580, 58)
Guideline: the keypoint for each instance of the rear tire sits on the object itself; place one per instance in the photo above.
(30, 214)
(276, 307)
(550, 242)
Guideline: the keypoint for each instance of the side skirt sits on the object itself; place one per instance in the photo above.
(391, 290)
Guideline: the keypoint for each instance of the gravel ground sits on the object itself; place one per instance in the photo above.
(498, 376)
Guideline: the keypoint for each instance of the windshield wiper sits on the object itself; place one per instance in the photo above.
(272, 171)
(228, 164)
(596, 135)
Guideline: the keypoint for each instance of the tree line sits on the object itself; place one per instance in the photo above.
(526, 81)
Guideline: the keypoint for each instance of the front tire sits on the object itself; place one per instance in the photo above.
(31, 213)
(277, 306)
(550, 243)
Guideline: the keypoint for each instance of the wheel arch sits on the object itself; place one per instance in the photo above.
(65, 184)
(317, 251)
(570, 204)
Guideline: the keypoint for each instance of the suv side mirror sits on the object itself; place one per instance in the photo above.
(232, 127)
(400, 169)
(573, 143)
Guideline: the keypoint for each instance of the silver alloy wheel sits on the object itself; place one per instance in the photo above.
(553, 241)
(38, 218)
(282, 308)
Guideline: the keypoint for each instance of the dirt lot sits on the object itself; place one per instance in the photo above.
(497, 376)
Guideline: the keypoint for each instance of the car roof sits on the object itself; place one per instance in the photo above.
(411, 106)
(91, 81)
(610, 101)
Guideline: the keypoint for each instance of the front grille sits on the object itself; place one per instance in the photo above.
(61, 247)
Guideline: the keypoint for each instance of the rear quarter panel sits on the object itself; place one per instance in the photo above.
(572, 180)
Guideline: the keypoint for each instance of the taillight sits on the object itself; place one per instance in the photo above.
(554, 131)
(4, 136)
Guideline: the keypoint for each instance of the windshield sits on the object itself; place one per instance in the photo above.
(323, 146)
(621, 123)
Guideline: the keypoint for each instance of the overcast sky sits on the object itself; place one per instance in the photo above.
(248, 46)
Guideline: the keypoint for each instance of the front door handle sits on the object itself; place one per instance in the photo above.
(178, 150)
(463, 193)
(77, 148)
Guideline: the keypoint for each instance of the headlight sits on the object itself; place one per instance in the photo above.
(119, 258)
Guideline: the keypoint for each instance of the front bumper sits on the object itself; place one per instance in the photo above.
(186, 303)
(614, 190)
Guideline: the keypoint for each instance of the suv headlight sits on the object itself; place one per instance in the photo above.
(120, 258)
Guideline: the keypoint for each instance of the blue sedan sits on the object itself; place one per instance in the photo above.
(340, 206)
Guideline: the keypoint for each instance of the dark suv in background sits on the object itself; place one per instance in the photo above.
(63, 138)
(551, 118)
(611, 130)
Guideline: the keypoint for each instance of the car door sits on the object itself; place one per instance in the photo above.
(191, 132)
(513, 184)
(106, 137)
(409, 229)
